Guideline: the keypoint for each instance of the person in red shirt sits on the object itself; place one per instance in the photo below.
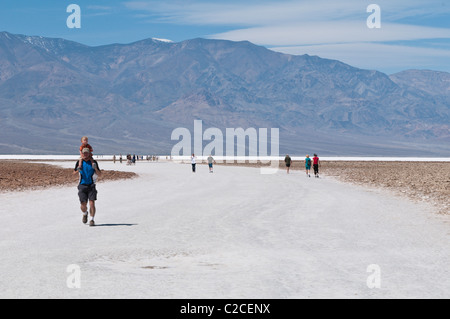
(316, 163)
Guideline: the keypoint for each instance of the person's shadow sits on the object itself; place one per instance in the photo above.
(114, 225)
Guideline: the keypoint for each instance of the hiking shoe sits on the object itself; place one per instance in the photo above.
(85, 217)
(91, 223)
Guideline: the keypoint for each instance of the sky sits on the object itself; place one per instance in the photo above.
(410, 34)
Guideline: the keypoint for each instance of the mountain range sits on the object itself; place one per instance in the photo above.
(128, 98)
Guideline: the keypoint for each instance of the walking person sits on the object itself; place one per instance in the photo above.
(308, 166)
(88, 172)
(210, 163)
(316, 164)
(287, 161)
(193, 162)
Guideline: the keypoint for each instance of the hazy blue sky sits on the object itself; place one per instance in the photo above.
(413, 34)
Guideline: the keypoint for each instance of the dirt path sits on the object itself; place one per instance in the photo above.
(420, 181)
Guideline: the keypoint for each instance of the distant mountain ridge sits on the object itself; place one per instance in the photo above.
(129, 98)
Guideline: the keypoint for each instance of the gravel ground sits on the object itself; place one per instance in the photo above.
(18, 175)
(420, 181)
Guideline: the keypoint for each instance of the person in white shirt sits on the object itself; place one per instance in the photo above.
(193, 162)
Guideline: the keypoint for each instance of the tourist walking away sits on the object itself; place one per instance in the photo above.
(88, 172)
(287, 161)
(85, 144)
(308, 166)
(210, 163)
(193, 162)
(316, 163)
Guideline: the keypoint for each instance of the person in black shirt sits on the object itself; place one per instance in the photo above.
(288, 161)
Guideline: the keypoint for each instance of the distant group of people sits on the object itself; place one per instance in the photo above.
(315, 162)
(210, 161)
(131, 159)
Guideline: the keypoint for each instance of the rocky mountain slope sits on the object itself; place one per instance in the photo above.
(129, 98)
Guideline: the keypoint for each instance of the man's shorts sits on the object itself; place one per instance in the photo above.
(87, 192)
